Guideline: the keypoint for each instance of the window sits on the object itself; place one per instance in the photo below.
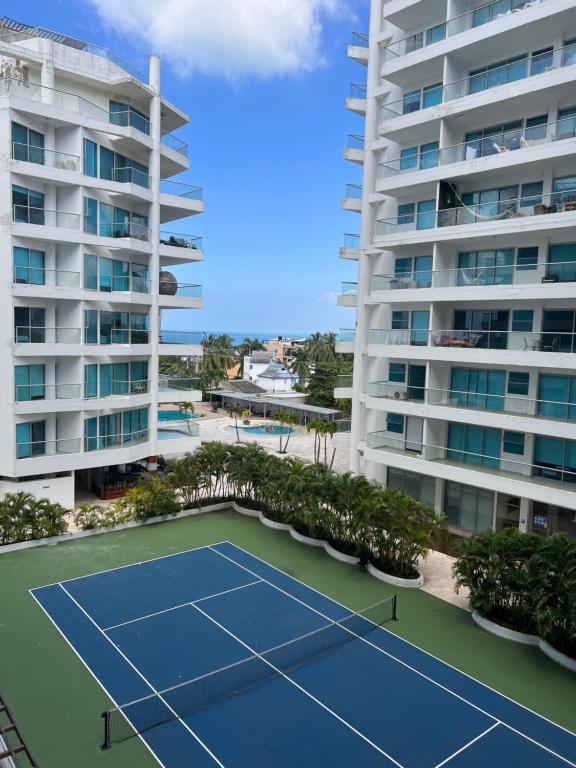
(397, 372)
(518, 383)
(562, 263)
(395, 423)
(506, 71)
(477, 388)
(557, 396)
(555, 459)
(513, 442)
(90, 326)
(431, 95)
(526, 259)
(426, 214)
(468, 508)
(90, 272)
(406, 213)
(488, 328)
(416, 270)
(485, 267)
(419, 487)
(409, 158)
(27, 145)
(470, 444)
(559, 330)
(140, 281)
(541, 61)
(116, 428)
(30, 439)
(124, 114)
(429, 155)
(91, 381)
(564, 190)
(90, 215)
(28, 205)
(566, 125)
(29, 382)
(531, 194)
(569, 53)
(29, 325)
(523, 320)
(411, 102)
(28, 266)
(90, 158)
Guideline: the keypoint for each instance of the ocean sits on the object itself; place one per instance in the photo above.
(239, 336)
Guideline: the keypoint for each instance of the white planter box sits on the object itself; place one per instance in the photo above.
(557, 656)
(273, 524)
(396, 581)
(245, 510)
(350, 559)
(504, 632)
(306, 539)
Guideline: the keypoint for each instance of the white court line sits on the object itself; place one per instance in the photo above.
(390, 655)
(397, 637)
(300, 688)
(130, 565)
(148, 683)
(182, 605)
(148, 747)
(472, 741)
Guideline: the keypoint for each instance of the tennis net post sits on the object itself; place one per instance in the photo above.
(107, 743)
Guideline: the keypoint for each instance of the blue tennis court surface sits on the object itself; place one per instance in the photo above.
(374, 700)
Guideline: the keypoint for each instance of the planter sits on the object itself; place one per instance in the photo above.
(505, 632)
(350, 559)
(273, 524)
(306, 539)
(396, 581)
(245, 510)
(557, 656)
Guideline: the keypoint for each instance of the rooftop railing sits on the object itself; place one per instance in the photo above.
(499, 143)
(475, 18)
(527, 341)
(185, 290)
(28, 214)
(28, 153)
(485, 80)
(483, 401)
(180, 337)
(25, 334)
(31, 450)
(346, 335)
(474, 462)
(181, 241)
(52, 278)
(182, 190)
(481, 274)
(349, 289)
(512, 208)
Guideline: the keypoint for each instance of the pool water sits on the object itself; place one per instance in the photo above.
(177, 416)
(170, 434)
(263, 430)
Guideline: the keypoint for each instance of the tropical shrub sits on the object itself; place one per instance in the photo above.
(24, 517)
(152, 497)
(90, 516)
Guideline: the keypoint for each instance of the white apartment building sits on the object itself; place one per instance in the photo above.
(87, 206)
(464, 387)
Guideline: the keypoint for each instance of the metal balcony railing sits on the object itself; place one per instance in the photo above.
(359, 39)
(351, 240)
(353, 191)
(121, 440)
(356, 141)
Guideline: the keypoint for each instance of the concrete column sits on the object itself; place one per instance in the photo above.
(367, 225)
(154, 220)
(525, 515)
(47, 71)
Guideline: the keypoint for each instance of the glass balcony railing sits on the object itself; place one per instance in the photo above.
(173, 142)
(181, 241)
(344, 380)
(351, 241)
(355, 141)
(28, 153)
(185, 290)
(472, 462)
(478, 213)
(357, 91)
(477, 83)
(25, 334)
(359, 39)
(120, 284)
(107, 442)
(499, 143)
(178, 384)
(346, 335)
(32, 450)
(27, 214)
(178, 189)
(52, 278)
(116, 336)
(28, 392)
(131, 176)
(481, 274)
(125, 229)
(353, 192)
(483, 401)
(180, 337)
(528, 341)
(349, 289)
(469, 20)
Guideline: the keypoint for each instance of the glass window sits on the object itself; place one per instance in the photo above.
(400, 320)
(558, 328)
(426, 214)
(397, 372)
(541, 61)
(409, 158)
(29, 325)
(564, 190)
(478, 388)
(562, 263)
(419, 487)
(395, 423)
(27, 144)
(140, 281)
(28, 205)
(90, 215)
(106, 220)
(29, 382)
(90, 158)
(518, 383)
(411, 102)
(474, 445)
(555, 458)
(429, 155)
(557, 396)
(435, 34)
(522, 320)
(90, 272)
(468, 508)
(513, 442)
(107, 164)
(28, 266)
(30, 439)
(531, 194)
(566, 125)
(406, 213)
(90, 326)
(91, 434)
(432, 95)
(90, 381)
(106, 374)
(419, 322)
(526, 259)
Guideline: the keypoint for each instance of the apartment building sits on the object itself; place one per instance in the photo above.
(464, 387)
(88, 207)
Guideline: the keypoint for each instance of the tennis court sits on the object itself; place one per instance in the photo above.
(218, 659)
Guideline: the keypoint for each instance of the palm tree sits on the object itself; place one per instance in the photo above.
(286, 420)
(246, 348)
(321, 347)
(234, 411)
(218, 354)
(187, 409)
(300, 365)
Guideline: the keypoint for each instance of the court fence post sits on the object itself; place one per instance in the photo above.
(107, 740)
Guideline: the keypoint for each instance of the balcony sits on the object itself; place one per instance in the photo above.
(176, 248)
(131, 229)
(26, 214)
(482, 401)
(33, 450)
(353, 199)
(189, 338)
(130, 176)
(348, 295)
(546, 341)
(174, 143)
(357, 100)
(469, 20)
(358, 47)
(112, 336)
(351, 247)
(481, 275)
(476, 84)
(504, 210)
(177, 389)
(38, 277)
(26, 393)
(548, 477)
(41, 335)
(28, 153)
(343, 388)
(186, 191)
(354, 151)
(497, 144)
(345, 340)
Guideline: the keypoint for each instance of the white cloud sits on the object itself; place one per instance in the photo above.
(230, 38)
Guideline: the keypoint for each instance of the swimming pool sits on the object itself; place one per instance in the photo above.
(170, 434)
(264, 430)
(177, 416)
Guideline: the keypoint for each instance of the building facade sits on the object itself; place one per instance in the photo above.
(262, 369)
(464, 387)
(87, 208)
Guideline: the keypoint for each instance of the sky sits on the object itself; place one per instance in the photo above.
(264, 83)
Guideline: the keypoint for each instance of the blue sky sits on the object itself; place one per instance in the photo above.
(268, 152)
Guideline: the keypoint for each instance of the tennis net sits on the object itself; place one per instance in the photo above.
(184, 699)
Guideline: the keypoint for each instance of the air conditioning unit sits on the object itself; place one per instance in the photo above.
(400, 395)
